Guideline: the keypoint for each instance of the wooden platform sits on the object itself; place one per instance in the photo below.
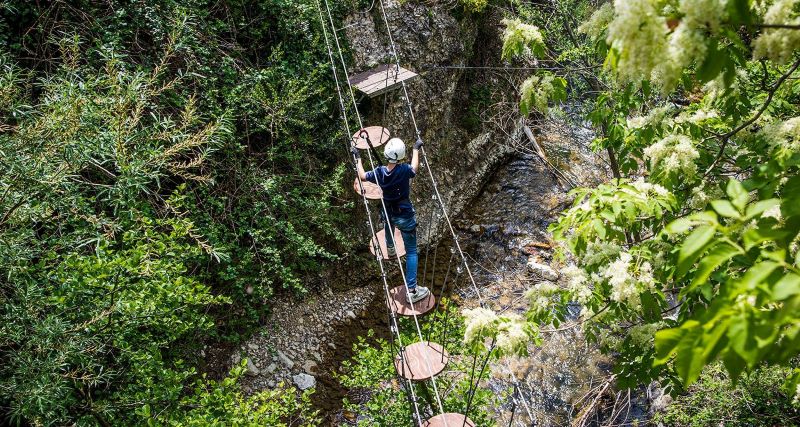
(449, 419)
(381, 79)
(400, 305)
(377, 136)
(423, 360)
(372, 191)
(399, 247)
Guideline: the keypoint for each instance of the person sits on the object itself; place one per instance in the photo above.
(394, 180)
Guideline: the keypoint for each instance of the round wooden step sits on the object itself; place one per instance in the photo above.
(372, 191)
(377, 136)
(449, 419)
(400, 305)
(380, 236)
(423, 360)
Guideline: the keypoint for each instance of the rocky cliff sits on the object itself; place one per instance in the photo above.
(428, 38)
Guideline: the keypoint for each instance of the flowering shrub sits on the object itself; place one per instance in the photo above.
(690, 254)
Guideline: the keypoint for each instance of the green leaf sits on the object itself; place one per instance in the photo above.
(689, 360)
(712, 65)
(693, 247)
(666, 342)
(757, 273)
(737, 193)
(742, 339)
(754, 236)
(759, 207)
(725, 208)
(600, 228)
(788, 286)
(716, 256)
(734, 365)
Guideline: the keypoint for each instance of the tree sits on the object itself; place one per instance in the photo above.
(691, 254)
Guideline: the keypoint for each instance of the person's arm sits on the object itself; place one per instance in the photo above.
(415, 155)
(362, 175)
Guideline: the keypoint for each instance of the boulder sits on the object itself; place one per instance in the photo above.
(252, 369)
(543, 270)
(285, 360)
(304, 381)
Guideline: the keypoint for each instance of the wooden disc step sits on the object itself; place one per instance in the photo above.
(372, 191)
(449, 419)
(380, 236)
(377, 136)
(400, 305)
(423, 360)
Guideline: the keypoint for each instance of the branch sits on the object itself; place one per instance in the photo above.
(727, 136)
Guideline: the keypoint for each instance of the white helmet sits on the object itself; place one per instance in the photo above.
(395, 150)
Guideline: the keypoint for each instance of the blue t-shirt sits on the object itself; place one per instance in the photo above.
(395, 185)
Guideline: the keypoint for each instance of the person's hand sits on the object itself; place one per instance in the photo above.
(355, 152)
(418, 144)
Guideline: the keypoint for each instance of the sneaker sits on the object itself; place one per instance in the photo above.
(418, 294)
(390, 250)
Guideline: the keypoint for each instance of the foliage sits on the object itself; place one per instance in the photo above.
(223, 404)
(371, 369)
(690, 254)
(756, 400)
(164, 169)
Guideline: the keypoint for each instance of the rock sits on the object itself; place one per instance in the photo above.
(271, 384)
(285, 360)
(332, 346)
(475, 229)
(304, 381)
(310, 367)
(316, 356)
(271, 368)
(543, 270)
(236, 358)
(350, 314)
(658, 399)
(252, 369)
(252, 346)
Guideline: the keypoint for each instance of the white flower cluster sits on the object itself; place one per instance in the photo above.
(656, 117)
(509, 331)
(638, 33)
(480, 323)
(701, 196)
(596, 25)
(673, 154)
(648, 50)
(535, 92)
(784, 136)
(698, 117)
(511, 335)
(647, 188)
(642, 335)
(627, 284)
(521, 37)
(539, 295)
(599, 251)
(779, 44)
(577, 284)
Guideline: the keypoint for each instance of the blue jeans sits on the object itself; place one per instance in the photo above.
(407, 223)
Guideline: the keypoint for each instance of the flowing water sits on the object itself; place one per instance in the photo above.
(501, 229)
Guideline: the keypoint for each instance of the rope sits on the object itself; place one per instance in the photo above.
(346, 123)
(383, 204)
(438, 195)
(425, 158)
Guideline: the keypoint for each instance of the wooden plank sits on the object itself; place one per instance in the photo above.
(381, 79)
